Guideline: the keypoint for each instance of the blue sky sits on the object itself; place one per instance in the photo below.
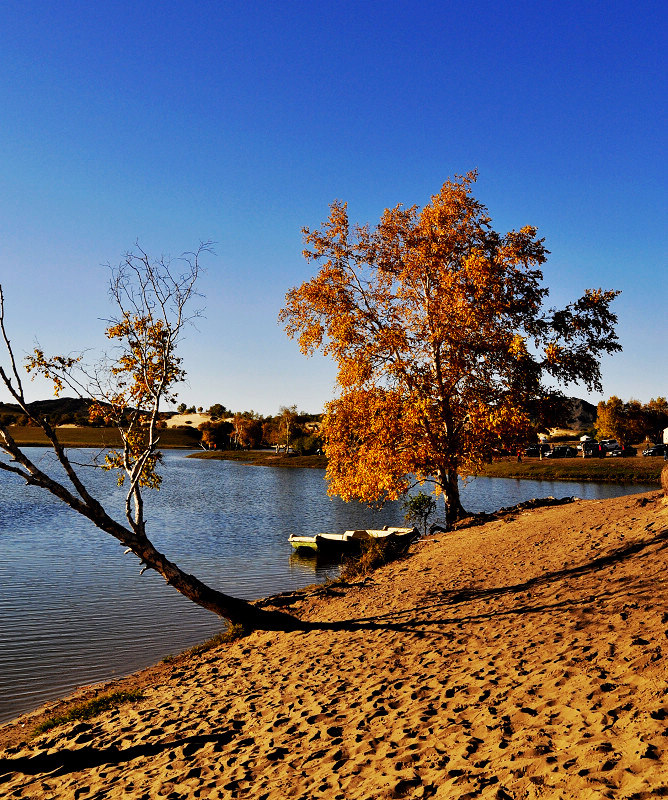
(240, 122)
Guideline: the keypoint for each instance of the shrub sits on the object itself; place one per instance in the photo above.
(418, 509)
(307, 445)
(372, 557)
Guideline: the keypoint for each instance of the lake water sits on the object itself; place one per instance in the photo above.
(74, 610)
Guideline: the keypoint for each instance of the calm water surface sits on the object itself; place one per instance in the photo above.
(74, 610)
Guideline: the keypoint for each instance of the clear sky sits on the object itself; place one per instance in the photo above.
(174, 122)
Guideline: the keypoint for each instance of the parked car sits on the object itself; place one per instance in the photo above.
(610, 444)
(533, 450)
(622, 452)
(563, 451)
(592, 449)
(656, 450)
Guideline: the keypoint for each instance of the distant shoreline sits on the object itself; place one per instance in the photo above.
(264, 458)
(638, 470)
(611, 470)
(600, 470)
(28, 436)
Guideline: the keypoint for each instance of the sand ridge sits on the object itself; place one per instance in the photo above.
(520, 659)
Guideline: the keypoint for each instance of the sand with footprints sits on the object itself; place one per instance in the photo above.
(523, 658)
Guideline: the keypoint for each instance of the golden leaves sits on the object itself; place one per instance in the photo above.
(553, 353)
(518, 347)
(435, 323)
(56, 369)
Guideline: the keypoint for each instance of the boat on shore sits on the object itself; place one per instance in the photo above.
(353, 542)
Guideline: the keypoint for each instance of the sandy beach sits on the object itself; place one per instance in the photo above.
(523, 658)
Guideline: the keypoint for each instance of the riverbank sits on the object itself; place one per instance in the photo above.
(604, 470)
(518, 659)
(264, 458)
(601, 470)
(607, 470)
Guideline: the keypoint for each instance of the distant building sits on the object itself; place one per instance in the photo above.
(665, 435)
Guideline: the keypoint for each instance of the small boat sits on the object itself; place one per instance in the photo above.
(352, 542)
(303, 542)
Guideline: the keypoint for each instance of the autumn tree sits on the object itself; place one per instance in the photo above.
(438, 329)
(216, 434)
(609, 418)
(217, 411)
(247, 429)
(152, 298)
(287, 418)
(631, 421)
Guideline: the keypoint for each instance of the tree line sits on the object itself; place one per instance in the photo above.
(226, 430)
(632, 422)
(289, 430)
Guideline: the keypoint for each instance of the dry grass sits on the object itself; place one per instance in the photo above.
(100, 437)
(264, 458)
(89, 709)
(371, 557)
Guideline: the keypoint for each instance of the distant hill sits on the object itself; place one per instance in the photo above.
(568, 412)
(583, 414)
(562, 413)
(59, 411)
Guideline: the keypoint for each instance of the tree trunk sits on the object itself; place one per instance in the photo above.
(454, 510)
(233, 609)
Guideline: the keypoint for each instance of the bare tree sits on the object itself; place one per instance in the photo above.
(152, 298)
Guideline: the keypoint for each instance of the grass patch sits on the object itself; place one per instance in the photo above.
(89, 709)
(264, 458)
(232, 634)
(100, 437)
(603, 470)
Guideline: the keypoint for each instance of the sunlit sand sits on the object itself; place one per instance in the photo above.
(524, 658)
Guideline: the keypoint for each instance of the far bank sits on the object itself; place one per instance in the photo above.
(639, 470)
(610, 470)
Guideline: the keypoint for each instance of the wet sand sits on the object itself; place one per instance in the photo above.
(524, 658)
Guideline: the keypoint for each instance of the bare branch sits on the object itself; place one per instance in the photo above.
(18, 393)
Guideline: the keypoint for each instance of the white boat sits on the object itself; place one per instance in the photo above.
(352, 541)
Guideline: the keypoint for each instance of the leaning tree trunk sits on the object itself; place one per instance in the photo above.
(233, 609)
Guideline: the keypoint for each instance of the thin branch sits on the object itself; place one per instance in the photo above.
(7, 382)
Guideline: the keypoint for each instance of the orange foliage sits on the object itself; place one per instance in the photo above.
(435, 323)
